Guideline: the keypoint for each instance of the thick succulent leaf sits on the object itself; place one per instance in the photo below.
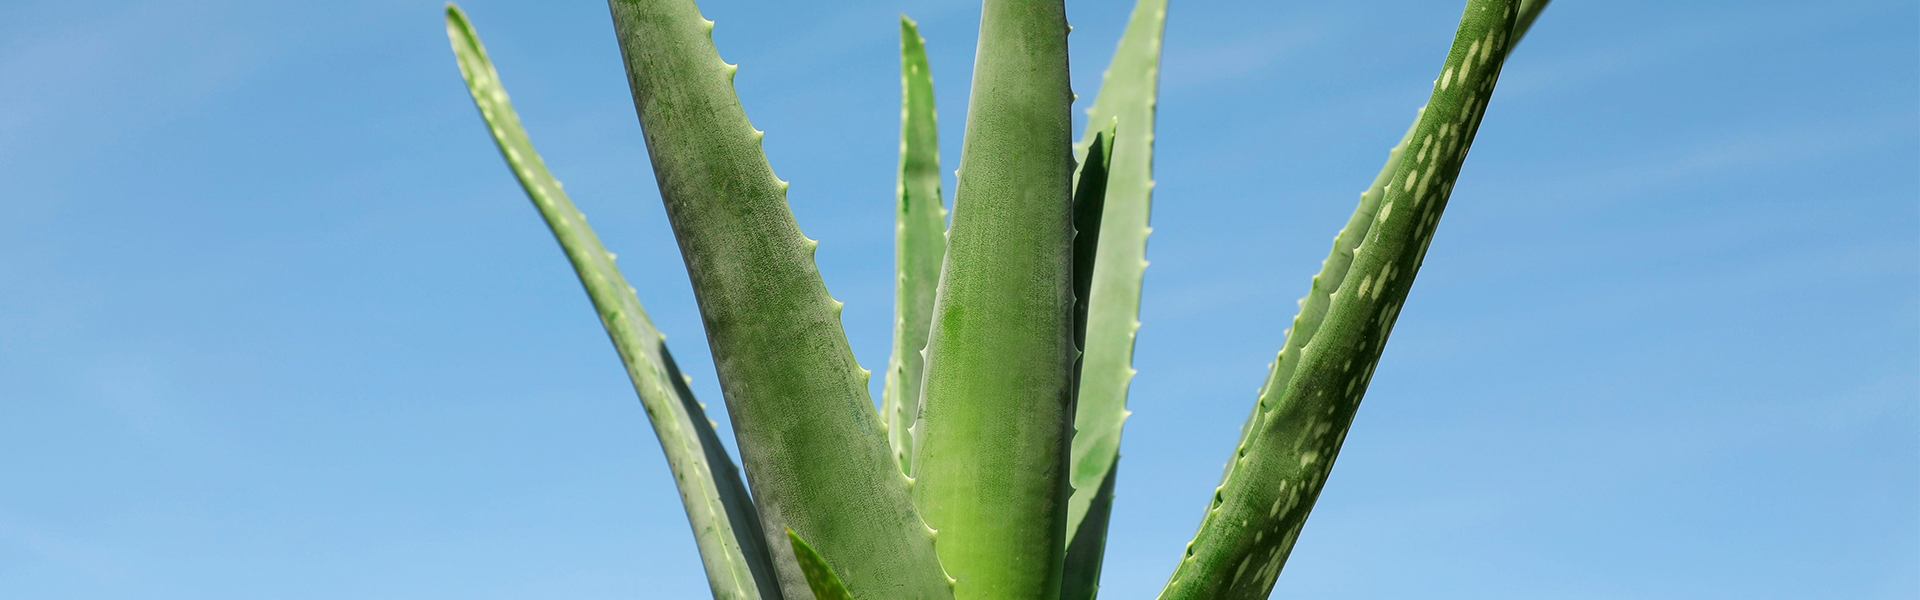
(820, 577)
(1087, 548)
(919, 244)
(1089, 203)
(1257, 513)
(990, 447)
(1313, 307)
(1333, 270)
(814, 448)
(725, 527)
(1128, 94)
(1082, 567)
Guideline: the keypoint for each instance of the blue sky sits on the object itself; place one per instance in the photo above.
(276, 322)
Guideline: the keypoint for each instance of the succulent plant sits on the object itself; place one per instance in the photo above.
(988, 469)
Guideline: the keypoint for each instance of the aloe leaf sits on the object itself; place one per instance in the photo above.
(813, 446)
(1258, 511)
(725, 528)
(1313, 307)
(1089, 204)
(990, 446)
(920, 242)
(1081, 571)
(1333, 270)
(1128, 94)
(1087, 549)
(820, 577)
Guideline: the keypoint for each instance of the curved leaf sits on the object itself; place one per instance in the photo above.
(990, 447)
(920, 242)
(1289, 448)
(813, 445)
(1128, 95)
(724, 524)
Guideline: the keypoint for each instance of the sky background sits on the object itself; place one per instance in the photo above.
(276, 322)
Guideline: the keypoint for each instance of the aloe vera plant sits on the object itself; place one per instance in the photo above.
(988, 469)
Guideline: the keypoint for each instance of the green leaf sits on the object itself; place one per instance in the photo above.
(725, 527)
(1081, 574)
(1128, 95)
(820, 577)
(920, 242)
(989, 467)
(1089, 204)
(813, 446)
(1333, 270)
(1087, 548)
(1290, 445)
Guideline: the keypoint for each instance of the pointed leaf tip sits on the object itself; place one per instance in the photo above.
(820, 577)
